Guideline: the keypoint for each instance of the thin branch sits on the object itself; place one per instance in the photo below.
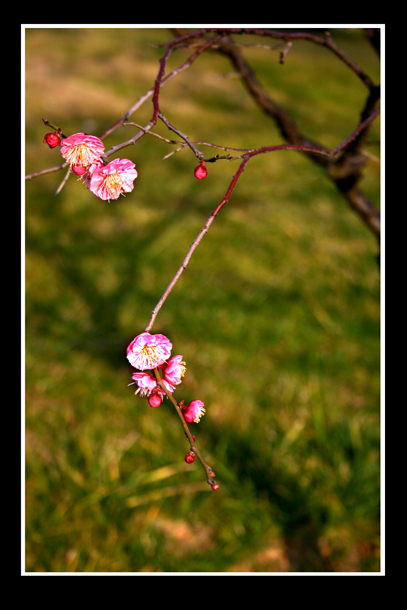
(59, 189)
(344, 172)
(46, 171)
(209, 160)
(179, 272)
(184, 144)
(151, 91)
(135, 107)
(58, 129)
(130, 142)
(152, 133)
(246, 157)
(345, 175)
(196, 152)
(361, 128)
(208, 470)
(325, 41)
(160, 74)
(283, 53)
(194, 245)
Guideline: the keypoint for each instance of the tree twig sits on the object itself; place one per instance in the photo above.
(208, 470)
(246, 157)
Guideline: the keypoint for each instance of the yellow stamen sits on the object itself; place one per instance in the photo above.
(80, 154)
(113, 183)
(150, 355)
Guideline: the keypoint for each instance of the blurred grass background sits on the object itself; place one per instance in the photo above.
(277, 317)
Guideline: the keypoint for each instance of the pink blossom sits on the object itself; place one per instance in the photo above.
(81, 149)
(194, 411)
(172, 376)
(173, 373)
(111, 180)
(146, 384)
(148, 351)
(87, 176)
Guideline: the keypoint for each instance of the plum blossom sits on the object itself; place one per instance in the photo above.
(148, 351)
(146, 384)
(87, 176)
(81, 149)
(111, 180)
(194, 411)
(172, 376)
(173, 373)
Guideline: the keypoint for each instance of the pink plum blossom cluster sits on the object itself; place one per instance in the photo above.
(84, 154)
(148, 352)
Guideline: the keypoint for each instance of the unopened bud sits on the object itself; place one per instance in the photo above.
(155, 399)
(200, 171)
(215, 487)
(52, 139)
(190, 457)
(79, 169)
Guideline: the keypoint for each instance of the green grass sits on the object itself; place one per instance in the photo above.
(277, 317)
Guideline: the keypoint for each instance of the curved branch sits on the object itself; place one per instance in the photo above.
(208, 470)
(344, 172)
(356, 200)
(325, 41)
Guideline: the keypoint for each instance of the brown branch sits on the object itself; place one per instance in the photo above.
(208, 470)
(373, 35)
(179, 272)
(284, 52)
(140, 101)
(46, 171)
(151, 91)
(196, 152)
(325, 41)
(161, 71)
(344, 172)
(358, 131)
(187, 143)
(355, 198)
(58, 129)
(61, 186)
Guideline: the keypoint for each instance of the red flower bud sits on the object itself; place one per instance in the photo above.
(78, 169)
(200, 171)
(190, 457)
(215, 487)
(52, 139)
(155, 399)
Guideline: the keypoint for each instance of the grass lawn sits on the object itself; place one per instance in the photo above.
(277, 317)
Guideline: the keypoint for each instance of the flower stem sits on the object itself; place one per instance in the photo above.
(58, 129)
(208, 469)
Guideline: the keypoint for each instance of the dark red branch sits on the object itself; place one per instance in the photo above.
(163, 61)
(325, 41)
